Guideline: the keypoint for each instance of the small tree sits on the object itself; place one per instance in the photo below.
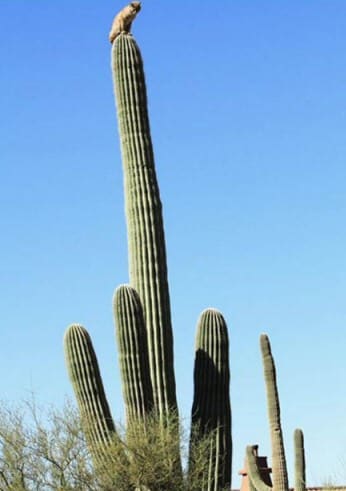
(43, 450)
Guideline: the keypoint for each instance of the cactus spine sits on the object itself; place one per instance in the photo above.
(299, 460)
(146, 242)
(133, 353)
(211, 410)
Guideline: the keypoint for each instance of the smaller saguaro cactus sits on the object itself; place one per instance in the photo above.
(299, 461)
(280, 476)
(279, 473)
(211, 410)
(279, 467)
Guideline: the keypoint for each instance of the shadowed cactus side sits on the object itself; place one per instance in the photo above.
(211, 410)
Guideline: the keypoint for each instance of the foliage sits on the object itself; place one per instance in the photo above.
(43, 450)
(146, 455)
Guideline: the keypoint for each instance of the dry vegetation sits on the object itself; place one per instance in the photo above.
(43, 450)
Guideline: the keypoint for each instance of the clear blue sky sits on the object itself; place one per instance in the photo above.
(247, 105)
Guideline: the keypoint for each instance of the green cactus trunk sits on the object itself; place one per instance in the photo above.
(280, 477)
(211, 410)
(299, 461)
(133, 353)
(84, 373)
(146, 242)
(279, 467)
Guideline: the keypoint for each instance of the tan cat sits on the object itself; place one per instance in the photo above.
(123, 20)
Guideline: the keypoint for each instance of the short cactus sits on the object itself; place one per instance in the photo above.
(299, 461)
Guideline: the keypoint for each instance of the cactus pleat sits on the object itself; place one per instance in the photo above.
(299, 461)
(133, 353)
(86, 380)
(146, 242)
(211, 410)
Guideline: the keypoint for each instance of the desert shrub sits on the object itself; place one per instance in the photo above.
(45, 449)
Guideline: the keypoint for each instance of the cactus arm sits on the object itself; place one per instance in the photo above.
(86, 380)
(255, 477)
(133, 353)
(146, 242)
(299, 461)
(211, 410)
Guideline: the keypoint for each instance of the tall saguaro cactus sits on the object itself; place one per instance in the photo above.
(211, 410)
(142, 312)
(146, 241)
